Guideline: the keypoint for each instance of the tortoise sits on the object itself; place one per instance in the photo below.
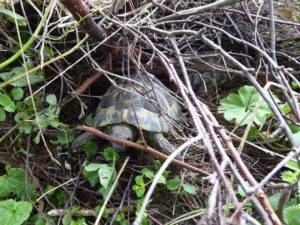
(137, 104)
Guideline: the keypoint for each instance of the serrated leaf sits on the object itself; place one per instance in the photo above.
(91, 148)
(293, 165)
(289, 176)
(64, 137)
(33, 78)
(14, 182)
(51, 99)
(291, 214)
(17, 93)
(5, 101)
(148, 173)
(173, 184)
(13, 17)
(10, 108)
(110, 154)
(42, 121)
(190, 189)
(14, 213)
(26, 127)
(2, 115)
(240, 107)
(106, 174)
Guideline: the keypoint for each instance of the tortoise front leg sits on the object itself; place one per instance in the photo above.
(80, 141)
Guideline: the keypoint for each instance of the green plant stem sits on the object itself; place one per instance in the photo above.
(31, 71)
(113, 187)
(31, 40)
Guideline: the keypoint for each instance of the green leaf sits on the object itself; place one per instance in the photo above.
(190, 189)
(297, 137)
(289, 176)
(10, 108)
(57, 196)
(8, 104)
(14, 213)
(241, 191)
(26, 127)
(42, 121)
(33, 78)
(293, 165)
(2, 115)
(14, 182)
(240, 107)
(89, 120)
(274, 200)
(17, 93)
(51, 99)
(110, 154)
(252, 134)
(48, 52)
(139, 190)
(106, 174)
(173, 184)
(92, 167)
(162, 180)
(11, 16)
(139, 180)
(64, 137)
(91, 148)
(92, 177)
(148, 173)
(292, 214)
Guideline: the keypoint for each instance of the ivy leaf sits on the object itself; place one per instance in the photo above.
(106, 174)
(17, 93)
(14, 213)
(240, 107)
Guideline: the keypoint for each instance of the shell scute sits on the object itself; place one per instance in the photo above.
(144, 103)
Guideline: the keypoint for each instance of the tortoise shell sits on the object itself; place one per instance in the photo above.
(140, 101)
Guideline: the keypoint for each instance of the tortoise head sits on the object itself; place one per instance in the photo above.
(123, 131)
